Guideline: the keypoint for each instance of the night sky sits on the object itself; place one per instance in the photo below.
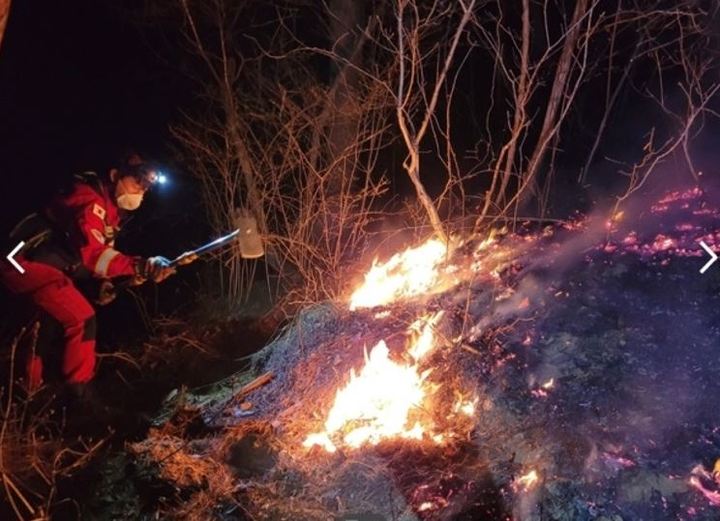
(78, 86)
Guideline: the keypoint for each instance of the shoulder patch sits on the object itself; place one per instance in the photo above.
(99, 211)
(98, 235)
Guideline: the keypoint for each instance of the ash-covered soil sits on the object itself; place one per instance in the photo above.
(592, 351)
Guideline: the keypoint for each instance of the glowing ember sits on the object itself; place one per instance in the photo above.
(527, 481)
(466, 407)
(707, 483)
(407, 274)
(617, 461)
(712, 496)
(375, 405)
(543, 390)
(427, 505)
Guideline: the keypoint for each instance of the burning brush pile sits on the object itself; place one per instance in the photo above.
(566, 372)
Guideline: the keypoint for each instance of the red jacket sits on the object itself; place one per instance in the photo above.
(80, 226)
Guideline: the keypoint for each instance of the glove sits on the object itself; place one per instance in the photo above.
(106, 293)
(157, 269)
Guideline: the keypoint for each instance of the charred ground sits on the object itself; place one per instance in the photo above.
(593, 359)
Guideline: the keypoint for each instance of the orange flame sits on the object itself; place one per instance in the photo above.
(380, 402)
(466, 407)
(406, 274)
(375, 404)
(423, 329)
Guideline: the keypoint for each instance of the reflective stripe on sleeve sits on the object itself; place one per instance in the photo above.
(103, 262)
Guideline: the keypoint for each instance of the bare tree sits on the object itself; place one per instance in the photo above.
(276, 138)
(416, 52)
(525, 52)
(415, 109)
(523, 69)
(686, 106)
(298, 146)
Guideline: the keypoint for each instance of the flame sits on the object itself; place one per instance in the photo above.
(527, 481)
(423, 330)
(406, 274)
(375, 405)
(489, 240)
(382, 400)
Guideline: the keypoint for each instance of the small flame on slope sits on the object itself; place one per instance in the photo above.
(527, 481)
(423, 330)
(378, 403)
(466, 407)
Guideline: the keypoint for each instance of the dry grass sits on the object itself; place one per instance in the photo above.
(34, 454)
(274, 476)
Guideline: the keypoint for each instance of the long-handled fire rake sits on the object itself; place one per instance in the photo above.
(189, 256)
(109, 290)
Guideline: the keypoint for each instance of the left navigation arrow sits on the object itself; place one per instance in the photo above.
(11, 257)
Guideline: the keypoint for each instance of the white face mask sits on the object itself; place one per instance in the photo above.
(129, 201)
(125, 200)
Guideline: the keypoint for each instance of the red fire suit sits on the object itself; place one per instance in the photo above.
(74, 240)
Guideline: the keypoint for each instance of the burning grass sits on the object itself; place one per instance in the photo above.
(527, 381)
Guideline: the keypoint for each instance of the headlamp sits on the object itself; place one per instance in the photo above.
(146, 173)
(150, 176)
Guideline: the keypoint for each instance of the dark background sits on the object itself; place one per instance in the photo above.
(79, 85)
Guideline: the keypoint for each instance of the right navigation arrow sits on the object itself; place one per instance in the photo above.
(713, 257)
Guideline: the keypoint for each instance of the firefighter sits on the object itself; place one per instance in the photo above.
(71, 241)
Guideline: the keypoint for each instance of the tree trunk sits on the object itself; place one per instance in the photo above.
(508, 152)
(413, 170)
(345, 15)
(559, 86)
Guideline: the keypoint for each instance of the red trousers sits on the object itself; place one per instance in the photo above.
(54, 292)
